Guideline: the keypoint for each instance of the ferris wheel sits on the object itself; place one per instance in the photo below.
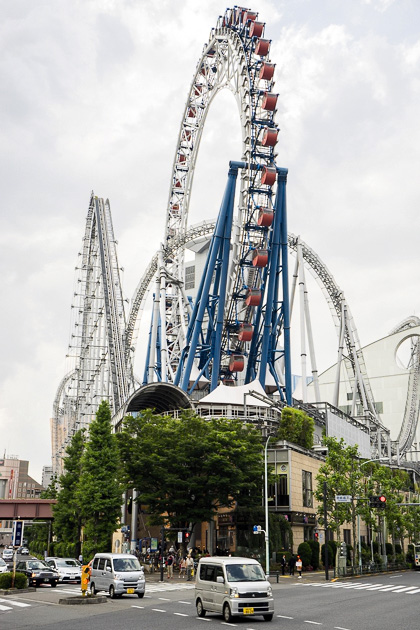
(239, 295)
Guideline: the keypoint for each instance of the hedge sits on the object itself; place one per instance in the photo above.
(6, 580)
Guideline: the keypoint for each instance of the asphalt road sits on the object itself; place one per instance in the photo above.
(382, 602)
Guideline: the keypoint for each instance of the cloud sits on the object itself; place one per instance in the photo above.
(91, 97)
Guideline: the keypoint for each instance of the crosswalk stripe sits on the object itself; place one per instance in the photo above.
(5, 607)
(13, 603)
(417, 590)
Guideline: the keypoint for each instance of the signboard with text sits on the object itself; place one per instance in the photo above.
(17, 536)
(343, 498)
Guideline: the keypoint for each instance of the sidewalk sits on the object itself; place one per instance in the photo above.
(311, 576)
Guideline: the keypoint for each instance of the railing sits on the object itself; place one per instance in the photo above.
(372, 567)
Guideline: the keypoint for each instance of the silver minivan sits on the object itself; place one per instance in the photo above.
(233, 586)
(117, 573)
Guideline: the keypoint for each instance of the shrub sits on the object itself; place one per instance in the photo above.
(6, 580)
(388, 549)
(305, 552)
(332, 550)
(398, 548)
(314, 545)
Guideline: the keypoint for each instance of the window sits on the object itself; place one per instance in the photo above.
(189, 277)
(347, 536)
(307, 489)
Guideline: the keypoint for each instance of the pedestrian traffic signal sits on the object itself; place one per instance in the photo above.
(187, 537)
(378, 502)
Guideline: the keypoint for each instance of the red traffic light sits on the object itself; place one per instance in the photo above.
(382, 499)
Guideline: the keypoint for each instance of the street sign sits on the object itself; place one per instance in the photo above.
(17, 535)
(343, 498)
(180, 537)
(256, 529)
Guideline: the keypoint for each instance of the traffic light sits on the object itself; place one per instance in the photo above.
(378, 502)
(343, 550)
(187, 537)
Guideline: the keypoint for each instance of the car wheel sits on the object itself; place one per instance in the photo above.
(93, 589)
(268, 617)
(140, 595)
(227, 615)
(200, 610)
(112, 592)
(53, 584)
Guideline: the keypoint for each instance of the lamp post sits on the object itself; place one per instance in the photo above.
(267, 540)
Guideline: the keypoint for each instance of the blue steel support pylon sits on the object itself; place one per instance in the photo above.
(218, 256)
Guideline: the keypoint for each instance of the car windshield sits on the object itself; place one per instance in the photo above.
(67, 563)
(126, 564)
(2, 562)
(38, 564)
(244, 573)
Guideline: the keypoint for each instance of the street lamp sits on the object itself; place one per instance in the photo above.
(267, 543)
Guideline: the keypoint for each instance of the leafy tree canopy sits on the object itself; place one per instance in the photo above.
(183, 468)
(296, 427)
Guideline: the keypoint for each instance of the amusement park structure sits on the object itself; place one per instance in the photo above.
(235, 333)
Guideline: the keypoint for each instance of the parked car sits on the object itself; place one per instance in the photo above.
(69, 569)
(8, 554)
(3, 566)
(23, 551)
(38, 572)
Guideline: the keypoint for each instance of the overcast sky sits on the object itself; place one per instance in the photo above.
(91, 98)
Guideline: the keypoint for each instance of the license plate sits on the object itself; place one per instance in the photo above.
(130, 590)
(248, 611)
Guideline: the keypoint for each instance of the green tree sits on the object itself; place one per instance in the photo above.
(67, 513)
(185, 468)
(99, 491)
(296, 427)
(341, 471)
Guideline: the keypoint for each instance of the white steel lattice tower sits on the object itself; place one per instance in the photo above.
(98, 367)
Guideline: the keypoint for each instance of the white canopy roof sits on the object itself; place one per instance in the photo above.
(228, 395)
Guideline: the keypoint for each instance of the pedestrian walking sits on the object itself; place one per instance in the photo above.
(283, 565)
(190, 567)
(182, 568)
(292, 563)
(170, 565)
(299, 566)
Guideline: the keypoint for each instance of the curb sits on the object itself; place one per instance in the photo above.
(17, 591)
(80, 600)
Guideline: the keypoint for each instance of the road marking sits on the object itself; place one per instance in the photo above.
(5, 607)
(202, 619)
(158, 610)
(340, 628)
(180, 601)
(14, 603)
(181, 614)
(403, 589)
(164, 599)
(137, 606)
(284, 617)
(315, 623)
(413, 592)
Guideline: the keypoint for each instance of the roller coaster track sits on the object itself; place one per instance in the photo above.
(411, 411)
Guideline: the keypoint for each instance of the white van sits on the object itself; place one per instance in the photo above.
(117, 573)
(232, 586)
